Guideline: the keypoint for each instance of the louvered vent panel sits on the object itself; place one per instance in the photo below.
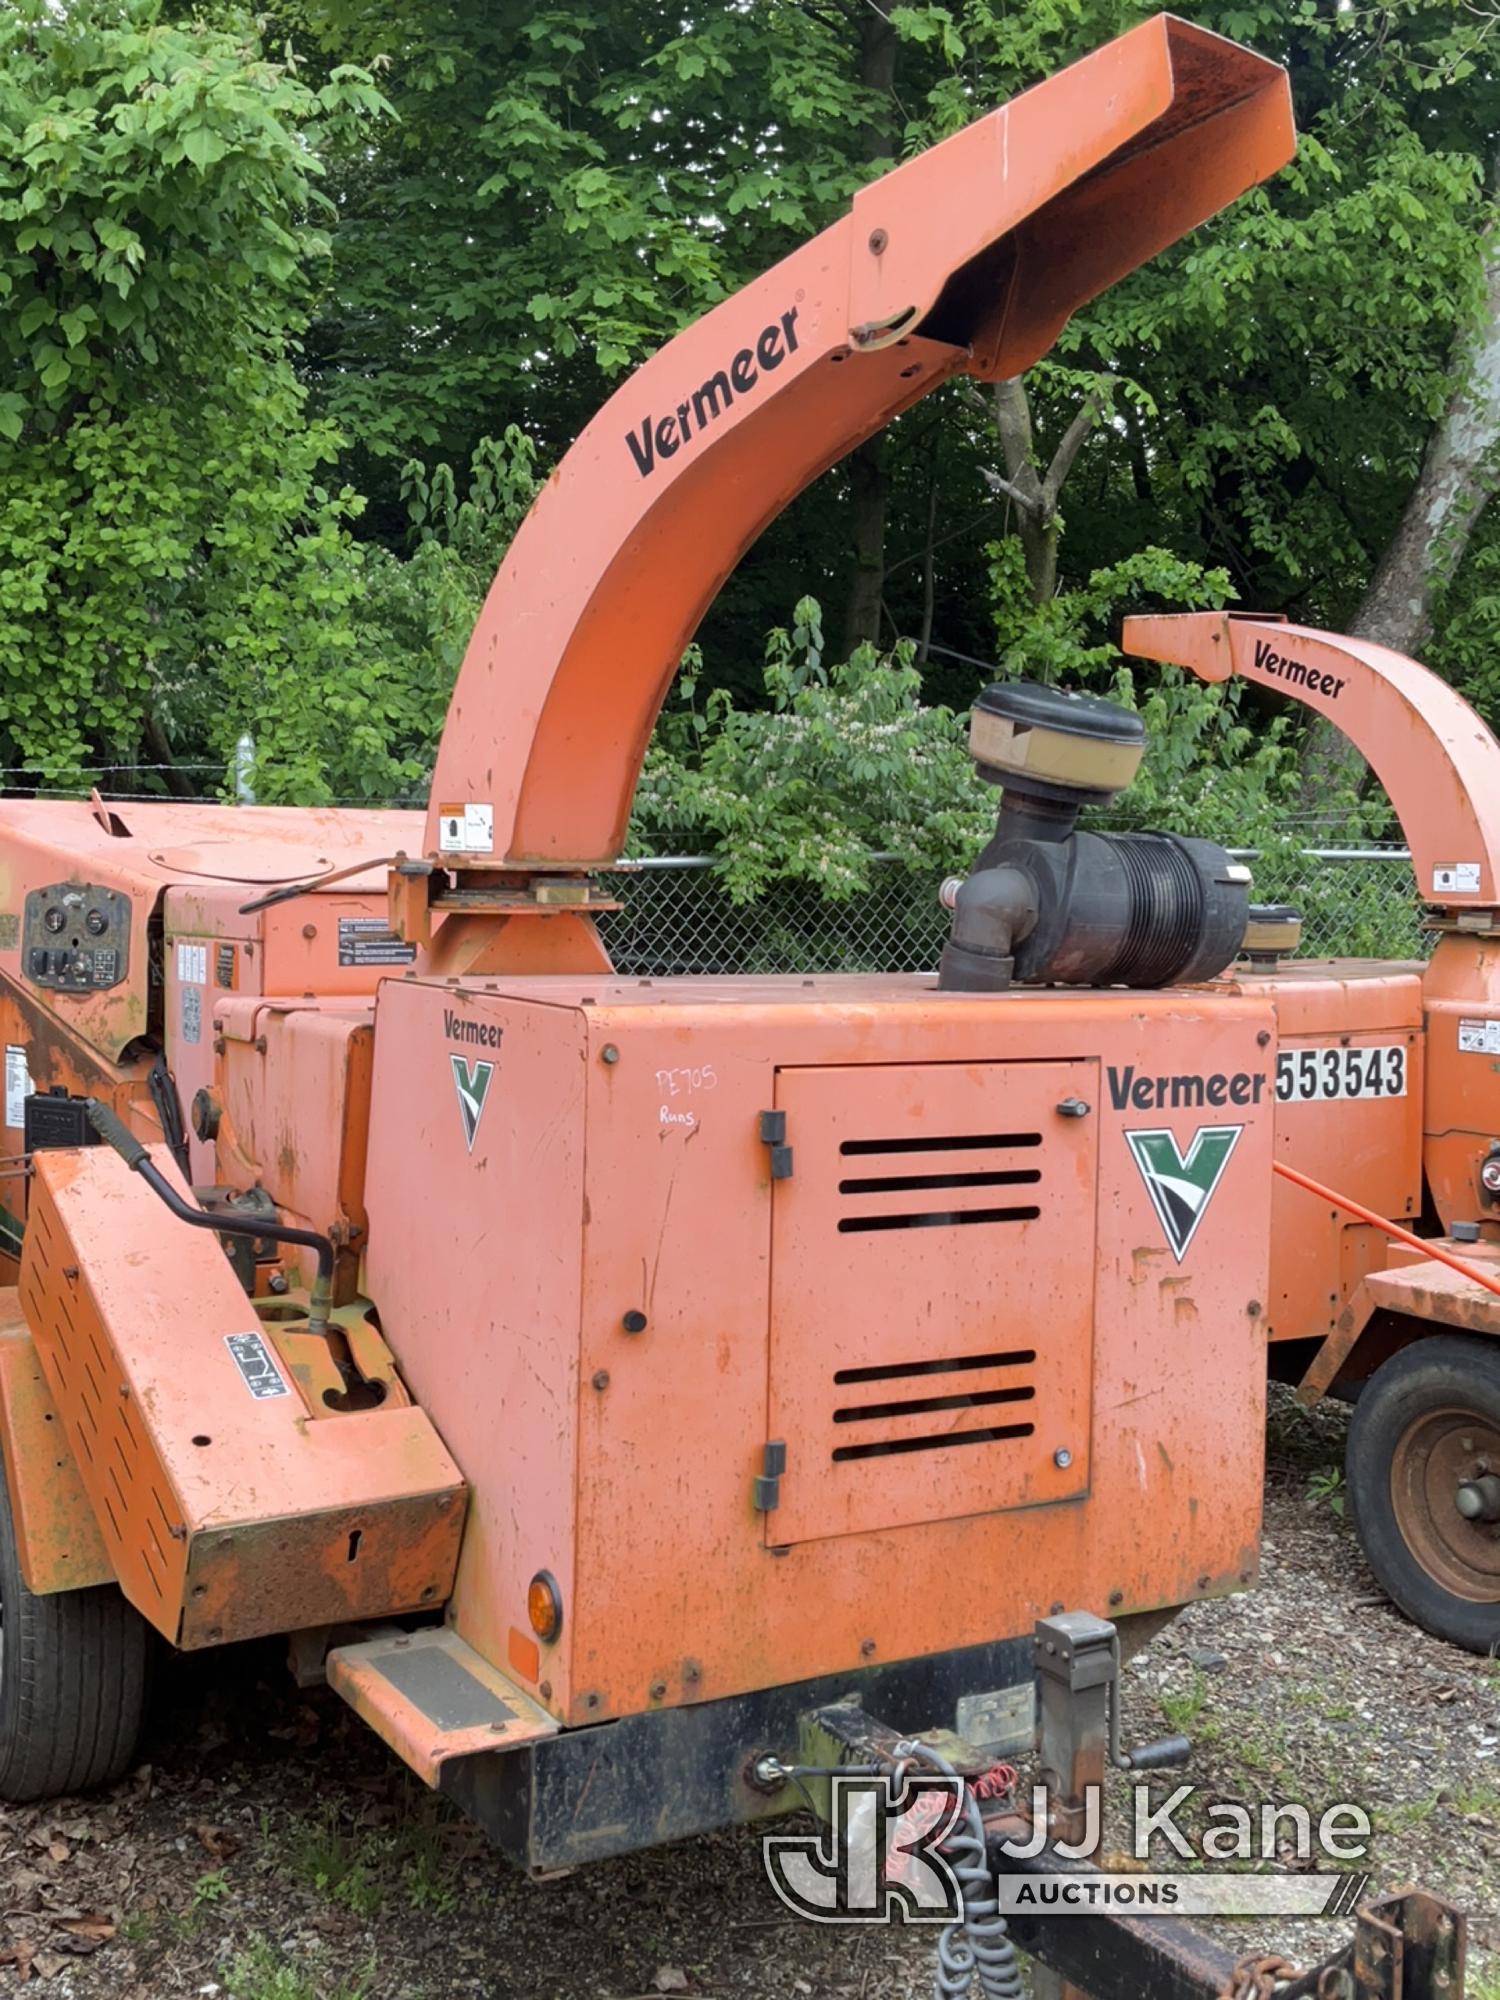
(932, 1283)
(939, 1182)
(962, 1399)
(119, 1469)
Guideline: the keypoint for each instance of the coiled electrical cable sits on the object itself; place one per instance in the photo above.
(976, 1945)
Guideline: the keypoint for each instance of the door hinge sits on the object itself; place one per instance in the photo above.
(773, 1135)
(768, 1483)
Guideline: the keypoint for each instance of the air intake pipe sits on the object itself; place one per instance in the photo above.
(1048, 905)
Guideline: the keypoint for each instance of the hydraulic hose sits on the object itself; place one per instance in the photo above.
(1424, 1244)
(115, 1133)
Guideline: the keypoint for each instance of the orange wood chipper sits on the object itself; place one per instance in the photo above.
(596, 1377)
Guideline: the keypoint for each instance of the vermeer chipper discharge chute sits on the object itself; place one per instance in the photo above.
(594, 1376)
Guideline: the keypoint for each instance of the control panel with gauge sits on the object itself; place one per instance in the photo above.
(76, 937)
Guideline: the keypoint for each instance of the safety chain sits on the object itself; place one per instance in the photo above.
(1257, 1977)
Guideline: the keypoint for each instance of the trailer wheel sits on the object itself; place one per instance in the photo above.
(1423, 1473)
(72, 1682)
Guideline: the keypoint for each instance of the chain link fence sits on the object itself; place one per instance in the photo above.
(676, 918)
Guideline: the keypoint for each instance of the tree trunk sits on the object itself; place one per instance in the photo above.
(1460, 471)
(1035, 493)
(868, 494)
(159, 751)
(929, 565)
(877, 72)
(869, 487)
(1036, 520)
(1458, 476)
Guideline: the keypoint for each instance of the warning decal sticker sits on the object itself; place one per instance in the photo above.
(257, 1365)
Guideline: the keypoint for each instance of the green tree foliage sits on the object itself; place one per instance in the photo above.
(842, 762)
(1267, 386)
(563, 188)
(171, 560)
(224, 451)
(566, 186)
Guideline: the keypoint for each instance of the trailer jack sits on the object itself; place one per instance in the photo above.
(1407, 1946)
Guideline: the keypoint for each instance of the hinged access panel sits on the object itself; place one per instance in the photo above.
(932, 1292)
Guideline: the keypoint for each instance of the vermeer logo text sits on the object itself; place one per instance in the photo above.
(1296, 672)
(664, 437)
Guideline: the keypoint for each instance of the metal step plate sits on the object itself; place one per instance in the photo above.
(431, 1697)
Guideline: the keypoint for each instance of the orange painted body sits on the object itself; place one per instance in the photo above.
(61, 1547)
(186, 869)
(276, 1058)
(789, 1326)
(398, 1679)
(1440, 767)
(604, 1306)
(225, 1512)
(1437, 761)
(617, 1168)
(1369, 1147)
(1461, 989)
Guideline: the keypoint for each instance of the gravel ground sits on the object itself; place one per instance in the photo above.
(271, 1850)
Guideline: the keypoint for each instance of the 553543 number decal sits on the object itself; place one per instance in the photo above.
(1308, 1076)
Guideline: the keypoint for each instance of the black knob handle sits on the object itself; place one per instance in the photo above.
(115, 1133)
(1163, 1756)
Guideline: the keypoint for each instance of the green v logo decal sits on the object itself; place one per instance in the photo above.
(1181, 1186)
(472, 1081)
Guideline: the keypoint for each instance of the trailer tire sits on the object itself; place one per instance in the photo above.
(73, 1675)
(1423, 1424)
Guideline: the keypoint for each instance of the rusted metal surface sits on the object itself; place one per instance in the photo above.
(1328, 1363)
(58, 1538)
(1260, 1976)
(225, 1511)
(1075, 1676)
(1115, 1957)
(313, 1361)
(1462, 989)
(1433, 1290)
(1049, 1985)
(1405, 1947)
(589, 1322)
(293, 1082)
(1436, 1456)
(1410, 1946)
(431, 1698)
(1415, 1292)
(377, 1553)
(968, 259)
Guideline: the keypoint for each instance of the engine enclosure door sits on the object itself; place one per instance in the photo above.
(932, 1292)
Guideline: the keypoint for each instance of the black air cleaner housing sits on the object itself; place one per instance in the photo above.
(1046, 904)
